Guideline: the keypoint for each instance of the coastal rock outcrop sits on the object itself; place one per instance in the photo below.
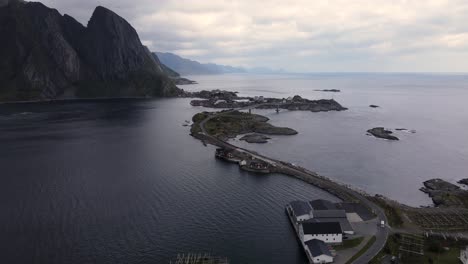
(49, 56)
(225, 99)
(255, 138)
(328, 90)
(380, 132)
(229, 124)
(463, 181)
(444, 193)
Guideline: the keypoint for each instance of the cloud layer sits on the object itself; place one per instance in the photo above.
(300, 35)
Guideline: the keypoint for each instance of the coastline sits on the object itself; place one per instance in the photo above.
(343, 192)
(95, 99)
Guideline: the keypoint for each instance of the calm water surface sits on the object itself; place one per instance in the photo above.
(123, 182)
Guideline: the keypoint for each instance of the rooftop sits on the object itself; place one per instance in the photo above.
(318, 247)
(330, 214)
(323, 205)
(344, 223)
(316, 228)
(300, 207)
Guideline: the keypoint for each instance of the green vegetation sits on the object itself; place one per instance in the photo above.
(350, 243)
(233, 123)
(363, 250)
(393, 214)
(436, 250)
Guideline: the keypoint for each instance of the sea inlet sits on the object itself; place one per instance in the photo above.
(123, 182)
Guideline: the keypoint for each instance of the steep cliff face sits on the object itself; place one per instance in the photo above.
(46, 55)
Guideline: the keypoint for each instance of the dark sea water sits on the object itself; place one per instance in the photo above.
(123, 182)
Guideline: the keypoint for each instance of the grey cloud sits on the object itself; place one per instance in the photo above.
(299, 35)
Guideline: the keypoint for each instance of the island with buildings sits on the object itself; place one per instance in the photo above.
(226, 99)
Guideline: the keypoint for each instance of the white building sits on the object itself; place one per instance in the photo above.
(300, 210)
(464, 255)
(328, 232)
(318, 251)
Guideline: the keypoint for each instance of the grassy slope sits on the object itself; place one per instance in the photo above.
(363, 250)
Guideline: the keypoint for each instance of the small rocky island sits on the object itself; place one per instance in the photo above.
(444, 193)
(328, 90)
(380, 132)
(463, 181)
(226, 99)
(255, 138)
(183, 81)
(229, 124)
(374, 106)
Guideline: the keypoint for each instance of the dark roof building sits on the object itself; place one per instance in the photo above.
(321, 204)
(300, 207)
(344, 223)
(329, 214)
(318, 247)
(318, 228)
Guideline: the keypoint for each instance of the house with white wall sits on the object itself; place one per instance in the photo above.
(328, 232)
(300, 211)
(318, 251)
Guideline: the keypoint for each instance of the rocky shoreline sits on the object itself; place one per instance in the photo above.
(255, 138)
(444, 193)
(224, 99)
(463, 181)
(230, 124)
(183, 81)
(380, 132)
(328, 90)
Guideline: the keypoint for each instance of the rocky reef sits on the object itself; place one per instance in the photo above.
(255, 138)
(463, 181)
(328, 90)
(225, 99)
(49, 56)
(183, 81)
(380, 132)
(444, 193)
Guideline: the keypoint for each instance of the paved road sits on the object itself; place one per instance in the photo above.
(382, 232)
(381, 235)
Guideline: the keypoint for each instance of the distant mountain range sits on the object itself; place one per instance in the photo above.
(190, 67)
(45, 55)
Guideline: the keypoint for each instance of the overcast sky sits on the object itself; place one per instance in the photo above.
(300, 35)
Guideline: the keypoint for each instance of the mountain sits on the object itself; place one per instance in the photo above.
(189, 67)
(45, 55)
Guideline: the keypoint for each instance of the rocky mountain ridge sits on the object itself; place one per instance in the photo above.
(49, 56)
